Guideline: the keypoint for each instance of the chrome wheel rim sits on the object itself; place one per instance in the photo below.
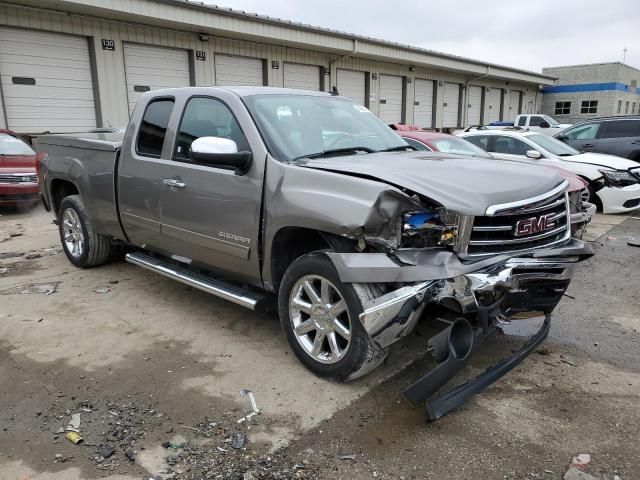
(72, 232)
(320, 319)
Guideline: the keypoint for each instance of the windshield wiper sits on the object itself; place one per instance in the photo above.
(335, 151)
(399, 148)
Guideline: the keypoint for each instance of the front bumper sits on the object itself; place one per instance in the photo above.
(619, 200)
(480, 298)
(579, 220)
(515, 282)
(11, 193)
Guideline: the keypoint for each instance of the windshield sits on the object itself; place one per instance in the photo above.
(550, 120)
(13, 146)
(458, 146)
(297, 126)
(552, 145)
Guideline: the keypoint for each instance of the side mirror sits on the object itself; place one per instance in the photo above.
(562, 138)
(544, 124)
(221, 153)
(534, 154)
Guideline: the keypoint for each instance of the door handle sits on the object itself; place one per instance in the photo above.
(174, 183)
(588, 145)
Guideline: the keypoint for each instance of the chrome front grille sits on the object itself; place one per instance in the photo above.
(18, 178)
(530, 224)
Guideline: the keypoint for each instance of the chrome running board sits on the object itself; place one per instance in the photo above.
(207, 284)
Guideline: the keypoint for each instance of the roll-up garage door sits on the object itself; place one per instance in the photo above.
(46, 81)
(474, 105)
(148, 67)
(297, 75)
(515, 103)
(390, 99)
(232, 70)
(451, 107)
(492, 105)
(351, 84)
(423, 103)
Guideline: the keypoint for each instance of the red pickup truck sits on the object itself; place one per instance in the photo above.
(18, 177)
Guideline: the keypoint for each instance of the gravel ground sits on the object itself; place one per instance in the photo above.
(155, 372)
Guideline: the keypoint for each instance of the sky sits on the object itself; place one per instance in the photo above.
(527, 35)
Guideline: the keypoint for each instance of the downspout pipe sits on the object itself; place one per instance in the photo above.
(465, 111)
(334, 81)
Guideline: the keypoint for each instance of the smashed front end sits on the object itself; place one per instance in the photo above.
(482, 269)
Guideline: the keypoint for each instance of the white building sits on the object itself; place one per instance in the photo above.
(70, 65)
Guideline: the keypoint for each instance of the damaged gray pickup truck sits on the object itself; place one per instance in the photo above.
(259, 194)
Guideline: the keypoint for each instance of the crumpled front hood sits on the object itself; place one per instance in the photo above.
(465, 185)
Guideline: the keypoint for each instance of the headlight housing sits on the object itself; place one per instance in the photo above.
(421, 229)
(618, 178)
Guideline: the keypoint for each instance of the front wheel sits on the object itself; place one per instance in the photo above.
(320, 317)
(83, 247)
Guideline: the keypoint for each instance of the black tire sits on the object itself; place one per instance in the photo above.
(96, 249)
(362, 355)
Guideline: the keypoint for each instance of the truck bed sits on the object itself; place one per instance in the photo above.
(88, 161)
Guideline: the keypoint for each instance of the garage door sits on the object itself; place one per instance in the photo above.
(148, 67)
(474, 104)
(232, 70)
(390, 99)
(46, 81)
(352, 84)
(451, 106)
(515, 102)
(492, 108)
(306, 77)
(423, 103)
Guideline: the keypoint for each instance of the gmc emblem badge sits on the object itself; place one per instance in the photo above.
(529, 226)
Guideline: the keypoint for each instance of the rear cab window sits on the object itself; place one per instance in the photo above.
(153, 128)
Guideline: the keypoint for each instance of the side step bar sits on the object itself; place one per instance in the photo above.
(201, 282)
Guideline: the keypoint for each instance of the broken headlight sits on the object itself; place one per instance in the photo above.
(429, 229)
(618, 178)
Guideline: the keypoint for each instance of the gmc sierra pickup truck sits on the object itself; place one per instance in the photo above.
(305, 200)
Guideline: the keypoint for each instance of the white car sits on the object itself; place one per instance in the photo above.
(614, 182)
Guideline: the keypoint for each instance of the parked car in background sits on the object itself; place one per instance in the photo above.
(581, 209)
(614, 135)
(614, 182)
(437, 142)
(18, 178)
(529, 122)
(267, 195)
(540, 123)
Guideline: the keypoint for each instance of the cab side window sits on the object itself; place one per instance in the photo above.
(481, 141)
(522, 121)
(207, 117)
(621, 129)
(510, 146)
(535, 121)
(153, 128)
(583, 132)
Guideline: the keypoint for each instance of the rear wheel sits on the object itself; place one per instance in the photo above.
(320, 317)
(83, 247)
